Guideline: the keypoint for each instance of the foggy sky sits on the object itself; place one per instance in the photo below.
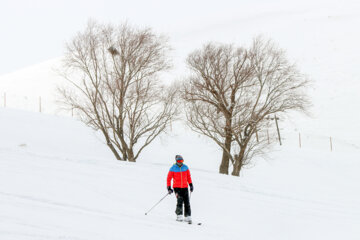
(33, 31)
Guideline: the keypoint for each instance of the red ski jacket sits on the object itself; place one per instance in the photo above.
(180, 175)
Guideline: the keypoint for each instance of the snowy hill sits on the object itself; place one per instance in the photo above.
(24, 88)
(319, 35)
(58, 181)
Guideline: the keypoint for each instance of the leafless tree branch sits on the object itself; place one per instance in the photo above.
(231, 91)
(115, 88)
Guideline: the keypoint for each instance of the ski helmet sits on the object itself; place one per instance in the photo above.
(179, 158)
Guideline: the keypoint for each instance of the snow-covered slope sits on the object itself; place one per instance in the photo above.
(58, 181)
(24, 89)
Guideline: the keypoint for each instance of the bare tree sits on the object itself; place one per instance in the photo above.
(212, 93)
(232, 90)
(115, 88)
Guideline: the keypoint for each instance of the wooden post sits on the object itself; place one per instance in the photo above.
(299, 140)
(267, 131)
(39, 104)
(72, 112)
(277, 127)
(331, 145)
(5, 100)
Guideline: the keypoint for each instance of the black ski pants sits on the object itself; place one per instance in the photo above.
(182, 196)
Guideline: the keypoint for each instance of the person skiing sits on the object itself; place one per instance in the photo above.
(180, 174)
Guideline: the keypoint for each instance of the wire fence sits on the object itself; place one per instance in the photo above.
(298, 139)
(47, 105)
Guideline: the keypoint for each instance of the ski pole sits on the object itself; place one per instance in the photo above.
(157, 203)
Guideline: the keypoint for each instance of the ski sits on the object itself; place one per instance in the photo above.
(195, 223)
(191, 222)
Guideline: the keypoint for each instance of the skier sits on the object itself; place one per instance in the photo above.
(180, 174)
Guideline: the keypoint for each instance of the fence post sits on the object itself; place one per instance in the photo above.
(299, 140)
(39, 104)
(331, 145)
(277, 127)
(268, 138)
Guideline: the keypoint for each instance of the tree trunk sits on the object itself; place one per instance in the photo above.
(239, 162)
(114, 151)
(224, 166)
(130, 154)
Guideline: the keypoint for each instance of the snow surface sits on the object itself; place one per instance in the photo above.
(59, 181)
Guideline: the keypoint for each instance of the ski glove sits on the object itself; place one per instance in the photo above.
(170, 190)
(191, 187)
